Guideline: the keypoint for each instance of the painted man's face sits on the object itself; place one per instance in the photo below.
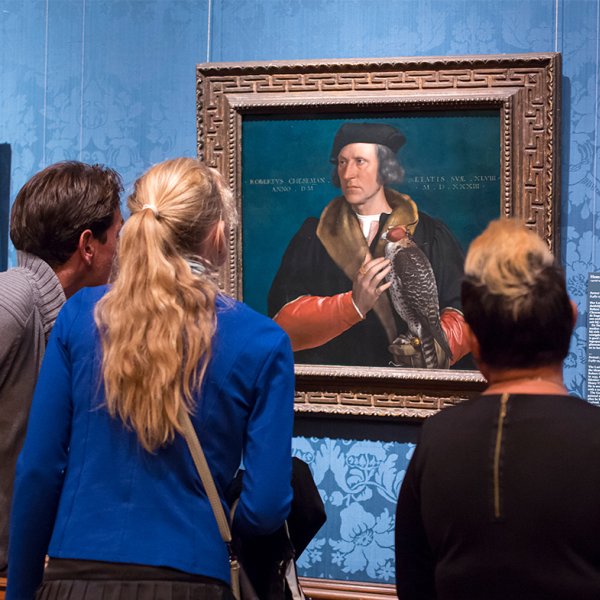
(358, 172)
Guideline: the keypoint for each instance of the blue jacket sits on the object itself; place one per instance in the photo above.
(85, 488)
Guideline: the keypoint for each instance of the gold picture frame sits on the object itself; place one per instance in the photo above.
(522, 89)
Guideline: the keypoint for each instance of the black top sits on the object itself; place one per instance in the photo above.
(307, 269)
(452, 542)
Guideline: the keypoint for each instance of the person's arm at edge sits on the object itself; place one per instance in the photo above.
(266, 494)
(40, 471)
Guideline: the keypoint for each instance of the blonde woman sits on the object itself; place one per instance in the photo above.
(501, 497)
(105, 483)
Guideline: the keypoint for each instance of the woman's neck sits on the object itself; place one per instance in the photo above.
(539, 380)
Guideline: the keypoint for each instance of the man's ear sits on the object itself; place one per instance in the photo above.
(86, 248)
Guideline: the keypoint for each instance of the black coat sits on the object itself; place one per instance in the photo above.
(542, 543)
(307, 269)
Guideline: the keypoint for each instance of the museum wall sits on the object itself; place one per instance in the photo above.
(113, 81)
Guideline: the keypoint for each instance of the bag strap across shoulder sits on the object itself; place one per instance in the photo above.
(193, 443)
(205, 475)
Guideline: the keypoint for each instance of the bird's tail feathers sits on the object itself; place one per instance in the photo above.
(436, 355)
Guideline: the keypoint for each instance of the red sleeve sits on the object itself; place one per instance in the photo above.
(312, 321)
(454, 326)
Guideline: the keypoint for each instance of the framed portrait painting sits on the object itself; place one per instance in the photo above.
(479, 141)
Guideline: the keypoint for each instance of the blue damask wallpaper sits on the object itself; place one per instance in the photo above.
(113, 81)
(359, 482)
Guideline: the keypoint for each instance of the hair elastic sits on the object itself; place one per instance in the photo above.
(152, 208)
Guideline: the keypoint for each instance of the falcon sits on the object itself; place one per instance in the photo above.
(415, 297)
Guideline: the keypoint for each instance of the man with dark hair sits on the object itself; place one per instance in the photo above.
(64, 225)
(329, 293)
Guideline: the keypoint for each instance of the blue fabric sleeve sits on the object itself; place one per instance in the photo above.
(266, 493)
(40, 469)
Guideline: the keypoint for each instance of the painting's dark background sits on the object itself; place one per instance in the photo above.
(452, 163)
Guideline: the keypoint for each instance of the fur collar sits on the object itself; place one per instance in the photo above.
(342, 237)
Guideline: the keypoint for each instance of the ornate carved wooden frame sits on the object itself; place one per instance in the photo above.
(524, 88)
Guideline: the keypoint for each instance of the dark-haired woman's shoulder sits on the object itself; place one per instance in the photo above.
(459, 415)
(571, 412)
(460, 425)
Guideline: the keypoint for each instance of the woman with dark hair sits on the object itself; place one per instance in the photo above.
(105, 484)
(500, 500)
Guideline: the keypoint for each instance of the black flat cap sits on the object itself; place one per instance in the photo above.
(369, 133)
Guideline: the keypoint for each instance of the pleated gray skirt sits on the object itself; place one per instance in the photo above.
(66, 579)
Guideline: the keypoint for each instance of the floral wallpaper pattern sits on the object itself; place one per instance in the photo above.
(113, 81)
(359, 482)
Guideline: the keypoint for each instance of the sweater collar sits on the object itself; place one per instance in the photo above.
(48, 292)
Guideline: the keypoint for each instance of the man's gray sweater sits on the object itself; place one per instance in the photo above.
(30, 299)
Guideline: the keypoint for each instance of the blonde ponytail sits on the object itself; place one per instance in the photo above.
(158, 319)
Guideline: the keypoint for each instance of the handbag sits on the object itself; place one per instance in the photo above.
(241, 587)
(270, 558)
